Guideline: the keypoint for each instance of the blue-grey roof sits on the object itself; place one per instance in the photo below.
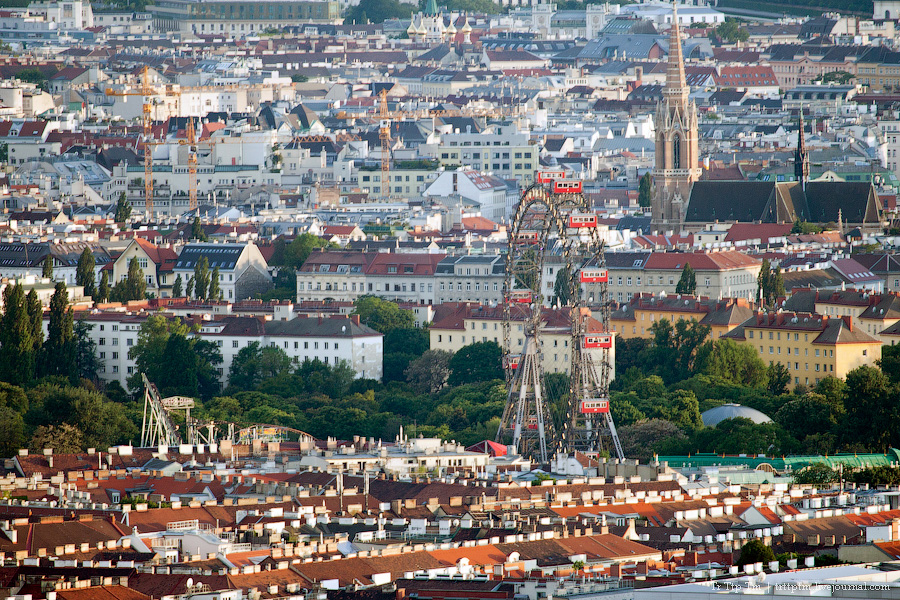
(621, 46)
(716, 415)
(224, 256)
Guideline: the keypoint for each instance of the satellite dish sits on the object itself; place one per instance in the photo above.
(513, 557)
(190, 583)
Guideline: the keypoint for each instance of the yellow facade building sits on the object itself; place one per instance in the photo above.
(635, 318)
(460, 324)
(811, 346)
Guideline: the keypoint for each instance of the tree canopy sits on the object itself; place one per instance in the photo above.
(382, 315)
(377, 11)
(475, 363)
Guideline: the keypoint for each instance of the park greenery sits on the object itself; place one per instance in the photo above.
(50, 392)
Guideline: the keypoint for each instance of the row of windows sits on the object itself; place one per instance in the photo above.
(820, 367)
(459, 286)
(333, 286)
(115, 341)
(826, 352)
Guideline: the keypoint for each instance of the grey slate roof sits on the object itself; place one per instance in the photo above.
(333, 327)
(224, 256)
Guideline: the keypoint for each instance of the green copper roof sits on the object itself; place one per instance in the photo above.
(431, 9)
(783, 463)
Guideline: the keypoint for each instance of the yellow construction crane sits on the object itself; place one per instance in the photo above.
(191, 142)
(146, 92)
(384, 132)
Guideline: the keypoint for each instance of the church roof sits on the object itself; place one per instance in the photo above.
(771, 202)
(728, 200)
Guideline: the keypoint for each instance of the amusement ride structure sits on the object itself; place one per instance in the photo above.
(554, 217)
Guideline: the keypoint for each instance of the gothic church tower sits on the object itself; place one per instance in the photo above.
(677, 147)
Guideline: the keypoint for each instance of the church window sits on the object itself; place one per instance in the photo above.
(676, 151)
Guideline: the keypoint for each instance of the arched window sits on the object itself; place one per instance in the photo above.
(676, 151)
(887, 15)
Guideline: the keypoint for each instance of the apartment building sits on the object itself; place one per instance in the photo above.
(470, 278)
(811, 346)
(401, 277)
(874, 313)
(635, 318)
(487, 192)
(466, 323)
(243, 272)
(725, 274)
(403, 181)
(239, 18)
(156, 263)
(501, 150)
(331, 339)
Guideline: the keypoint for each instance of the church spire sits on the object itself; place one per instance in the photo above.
(676, 84)
(801, 156)
(431, 9)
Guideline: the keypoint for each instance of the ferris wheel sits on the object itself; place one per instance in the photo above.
(553, 217)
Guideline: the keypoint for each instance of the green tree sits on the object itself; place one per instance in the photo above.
(688, 282)
(284, 286)
(296, 253)
(36, 320)
(737, 363)
(201, 278)
(777, 284)
(197, 232)
(382, 315)
(485, 7)
(838, 77)
(731, 31)
(253, 364)
(84, 272)
(428, 373)
(190, 287)
(123, 209)
(682, 409)
(17, 354)
(890, 362)
(176, 363)
(645, 190)
(58, 352)
(562, 286)
(133, 287)
(215, 292)
(644, 438)
(87, 362)
(755, 551)
(103, 288)
(376, 11)
(64, 439)
(873, 410)
(770, 283)
(476, 362)
(178, 287)
(34, 76)
(12, 431)
(778, 378)
(47, 268)
(816, 474)
(880, 475)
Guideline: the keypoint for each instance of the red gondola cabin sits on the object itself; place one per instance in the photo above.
(567, 186)
(549, 176)
(594, 406)
(519, 297)
(598, 341)
(577, 221)
(593, 276)
(526, 237)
